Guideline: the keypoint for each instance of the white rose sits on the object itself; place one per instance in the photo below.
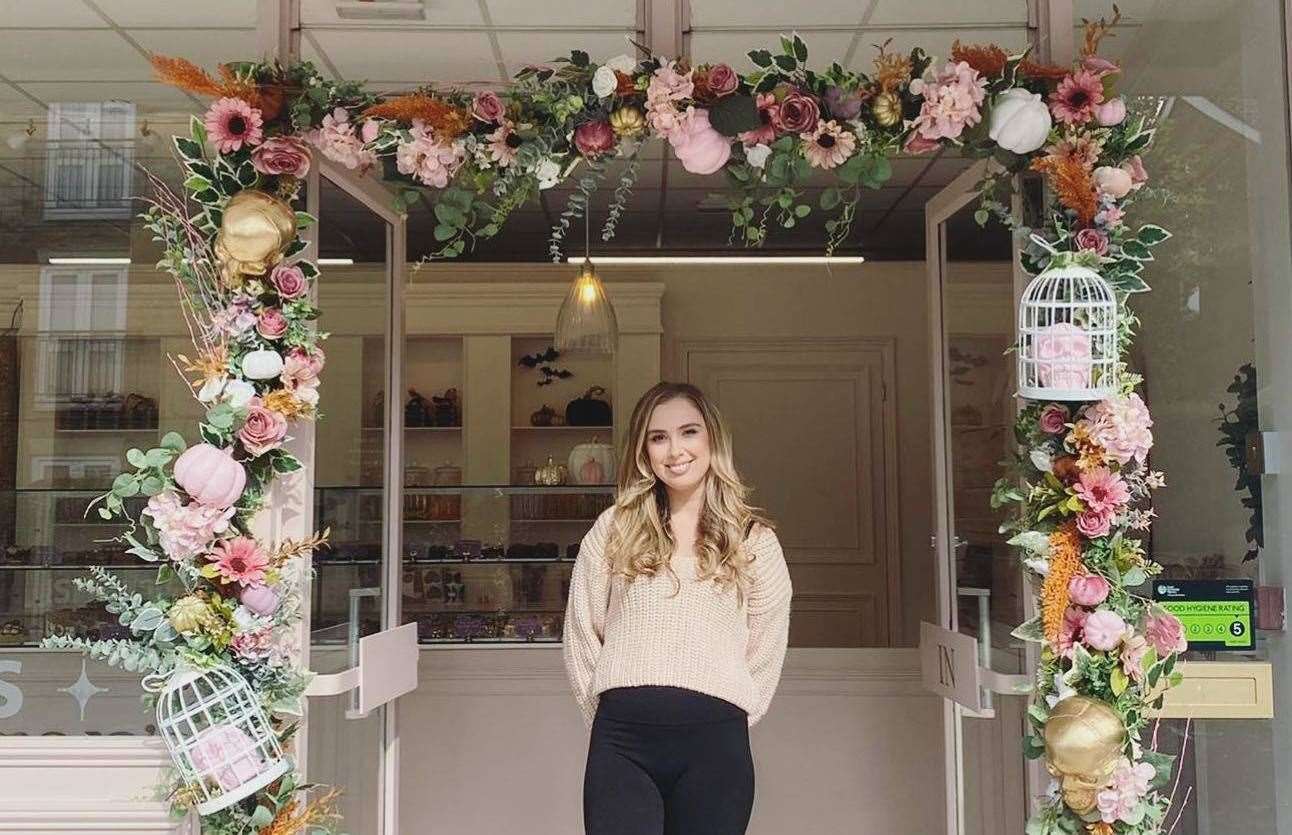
(757, 155)
(549, 173)
(622, 63)
(211, 389)
(604, 82)
(239, 393)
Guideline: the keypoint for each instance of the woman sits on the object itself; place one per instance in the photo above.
(675, 629)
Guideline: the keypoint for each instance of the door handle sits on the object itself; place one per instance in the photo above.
(383, 666)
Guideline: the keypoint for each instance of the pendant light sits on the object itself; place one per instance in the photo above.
(586, 322)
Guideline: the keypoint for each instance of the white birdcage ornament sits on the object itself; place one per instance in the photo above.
(1067, 332)
(219, 737)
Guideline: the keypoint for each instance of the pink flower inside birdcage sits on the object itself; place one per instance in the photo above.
(1063, 356)
(227, 754)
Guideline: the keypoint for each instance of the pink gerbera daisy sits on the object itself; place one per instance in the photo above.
(503, 144)
(240, 560)
(829, 145)
(232, 123)
(1077, 96)
(1102, 490)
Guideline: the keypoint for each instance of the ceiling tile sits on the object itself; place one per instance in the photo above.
(965, 13)
(149, 97)
(567, 14)
(205, 48)
(127, 13)
(438, 13)
(425, 55)
(522, 48)
(733, 47)
(722, 13)
(59, 13)
(66, 55)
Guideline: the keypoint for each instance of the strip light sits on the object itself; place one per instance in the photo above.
(335, 262)
(82, 261)
(725, 259)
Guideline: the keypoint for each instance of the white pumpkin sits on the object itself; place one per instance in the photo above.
(1020, 121)
(262, 365)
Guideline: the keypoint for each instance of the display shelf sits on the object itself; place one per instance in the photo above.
(563, 428)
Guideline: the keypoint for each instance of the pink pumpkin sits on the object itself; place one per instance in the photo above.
(210, 476)
(698, 146)
(259, 600)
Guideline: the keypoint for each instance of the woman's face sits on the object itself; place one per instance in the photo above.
(677, 444)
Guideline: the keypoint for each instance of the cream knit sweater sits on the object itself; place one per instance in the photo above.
(621, 634)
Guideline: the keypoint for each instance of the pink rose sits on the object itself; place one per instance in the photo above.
(700, 148)
(1113, 182)
(1165, 633)
(918, 144)
(1094, 523)
(594, 138)
(289, 281)
(1103, 630)
(1054, 418)
(723, 80)
(1111, 112)
(263, 430)
(1063, 355)
(272, 324)
(1088, 589)
(799, 113)
(1135, 168)
(487, 107)
(281, 155)
(1093, 240)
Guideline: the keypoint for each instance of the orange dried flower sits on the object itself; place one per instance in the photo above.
(186, 75)
(445, 119)
(1047, 72)
(891, 70)
(286, 404)
(1072, 184)
(1065, 563)
(1096, 31)
(988, 60)
(289, 821)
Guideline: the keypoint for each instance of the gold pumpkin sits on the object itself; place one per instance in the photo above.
(551, 474)
(255, 229)
(627, 121)
(1083, 741)
(887, 108)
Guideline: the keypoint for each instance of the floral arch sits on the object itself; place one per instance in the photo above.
(1078, 488)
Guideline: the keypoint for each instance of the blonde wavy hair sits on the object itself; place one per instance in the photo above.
(641, 542)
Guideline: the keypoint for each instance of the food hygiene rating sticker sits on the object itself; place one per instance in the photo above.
(1217, 614)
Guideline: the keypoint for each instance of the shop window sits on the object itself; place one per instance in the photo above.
(89, 159)
(81, 347)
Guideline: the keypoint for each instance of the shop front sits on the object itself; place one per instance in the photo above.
(460, 458)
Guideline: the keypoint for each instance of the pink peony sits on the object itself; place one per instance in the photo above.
(1103, 630)
(1054, 418)
(232, 123)
(1102, 490)
(281, 155)
(1088, 589)
(337, 139)
(184, 530)
(240, 560)
(289, 281)
(1094, 523)
(300, 375)
(951, 101)
(768, 114)
(1069, 631)
(799, 113)
(428, 160)
(236, 319)
(667, 83)
(487, 107)
(1134, 648)
(1165, 633)
(829, 145)
(722, 80)
(253, 646)
(1063, 356)
(1127, 786)
(1093, 240)
(272, 324)
(1112, 182)
(700, 148)
(1074, 101)
(1121, 426)
(594, 138)
(1135, 168)
(1111, 112)
(263, 430)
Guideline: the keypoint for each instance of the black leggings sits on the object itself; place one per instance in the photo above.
(667, 761)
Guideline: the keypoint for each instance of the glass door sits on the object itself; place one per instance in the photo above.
(981, 591)
(356, 581)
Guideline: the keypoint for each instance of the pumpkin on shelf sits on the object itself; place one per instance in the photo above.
(551, 474)
(418, 410)
(592, 463)
(589, 410)
(446, 409)
(545, 416)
